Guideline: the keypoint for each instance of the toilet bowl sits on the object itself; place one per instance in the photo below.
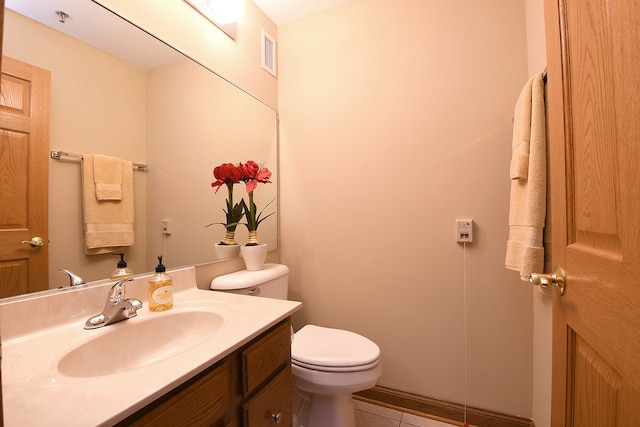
(328, 365)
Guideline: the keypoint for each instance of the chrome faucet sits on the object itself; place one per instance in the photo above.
(74, 280)
(116, 309)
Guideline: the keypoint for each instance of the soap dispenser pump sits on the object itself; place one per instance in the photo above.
(121, 272)
(160, 289)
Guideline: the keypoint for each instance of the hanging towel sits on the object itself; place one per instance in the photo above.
(528, 172)
(107, 176)
(108, 224)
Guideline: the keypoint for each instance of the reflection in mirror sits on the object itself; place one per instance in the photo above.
(174, 115)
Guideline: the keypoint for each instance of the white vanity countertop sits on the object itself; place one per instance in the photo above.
(35, 393)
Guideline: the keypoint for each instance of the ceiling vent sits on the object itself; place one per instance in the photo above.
(268, 52)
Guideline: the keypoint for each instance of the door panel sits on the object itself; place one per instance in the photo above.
(594, 131)
(592, 372)
(596, 191)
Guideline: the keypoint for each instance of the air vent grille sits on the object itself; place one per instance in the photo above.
(268, 53)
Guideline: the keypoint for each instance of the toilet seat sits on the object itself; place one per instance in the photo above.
(333, 350)
(335, 368)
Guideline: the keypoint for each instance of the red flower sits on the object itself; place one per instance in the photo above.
(252, 174)
(227, 173)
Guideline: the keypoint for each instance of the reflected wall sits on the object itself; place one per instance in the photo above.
(189, 134)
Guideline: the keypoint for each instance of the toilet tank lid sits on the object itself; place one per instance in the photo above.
(246, 278)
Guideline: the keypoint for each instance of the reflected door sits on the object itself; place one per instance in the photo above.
(593, 89)
(24, 145)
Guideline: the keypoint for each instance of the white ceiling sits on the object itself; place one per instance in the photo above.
(85, 17)
(284, 11)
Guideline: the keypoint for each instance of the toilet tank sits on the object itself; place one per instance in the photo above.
(270, 282)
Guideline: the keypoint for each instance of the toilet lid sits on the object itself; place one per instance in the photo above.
(315, 346)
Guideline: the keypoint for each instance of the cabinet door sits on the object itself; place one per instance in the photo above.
(262, 359)
(202, 401)
(273, 405)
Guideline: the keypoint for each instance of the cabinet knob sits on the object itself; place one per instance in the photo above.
(276, 418)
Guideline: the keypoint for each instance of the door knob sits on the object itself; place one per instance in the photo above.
(556, 279)
(36, 242)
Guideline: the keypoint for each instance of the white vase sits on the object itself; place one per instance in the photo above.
(226, 251)
(254, 256)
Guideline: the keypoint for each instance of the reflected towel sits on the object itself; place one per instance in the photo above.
(108, 224)
(527, 209)
(107, 176)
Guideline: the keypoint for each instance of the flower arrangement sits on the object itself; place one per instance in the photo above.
(251, 174)
(229, 174)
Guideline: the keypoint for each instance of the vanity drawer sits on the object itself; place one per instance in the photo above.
(261, 360)
(273, 404)
(203, 400)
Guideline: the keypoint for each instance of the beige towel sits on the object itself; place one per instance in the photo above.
(107, 176)
(527, 210)
(108, 224)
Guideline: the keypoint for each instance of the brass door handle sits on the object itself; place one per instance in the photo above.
(556, 279)
(36, 242)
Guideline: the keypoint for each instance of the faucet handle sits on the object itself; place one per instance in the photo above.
(74, 279)
(116, 294)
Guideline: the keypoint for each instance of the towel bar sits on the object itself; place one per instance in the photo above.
(56, 155)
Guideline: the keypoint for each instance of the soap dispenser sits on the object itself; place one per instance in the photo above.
(160, 289)
(121, 272)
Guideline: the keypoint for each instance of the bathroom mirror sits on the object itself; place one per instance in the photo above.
(174, 115)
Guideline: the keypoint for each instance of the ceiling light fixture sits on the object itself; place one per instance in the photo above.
(226, 11)
(222, 13)
(219, 11)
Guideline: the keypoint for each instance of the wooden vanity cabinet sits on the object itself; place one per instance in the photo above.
(251, 387)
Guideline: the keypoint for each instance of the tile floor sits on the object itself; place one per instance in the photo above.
(368, 415)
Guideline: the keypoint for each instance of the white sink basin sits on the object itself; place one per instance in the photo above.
(139, 342)
(113, 371)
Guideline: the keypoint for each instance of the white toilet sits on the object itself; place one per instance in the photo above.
(328, 365)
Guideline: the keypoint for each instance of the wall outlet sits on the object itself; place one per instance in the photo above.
(464, 230)
(167, 226)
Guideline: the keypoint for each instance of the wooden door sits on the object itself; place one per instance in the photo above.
(593, 105)
(24, 145)
(1, 38)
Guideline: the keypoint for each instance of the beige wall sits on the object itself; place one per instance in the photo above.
(541, 303)
(196, 123)
(396, 119)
